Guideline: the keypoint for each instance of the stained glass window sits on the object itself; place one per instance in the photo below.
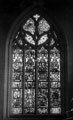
(55, 85)
(16, 83)
(43, 39)
(35, 73)
(29, 39)
(42, 77)
(43, 26)
(29, 26)
(29, 83)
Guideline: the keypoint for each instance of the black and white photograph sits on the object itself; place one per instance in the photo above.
(36, 60)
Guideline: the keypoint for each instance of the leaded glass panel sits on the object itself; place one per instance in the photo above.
(52, 42)
(29, 26)
(42, 39)
(29, 39)
(18, 38)
(16, 83)
(35, 70)
(43, 26)
(55, 85)
(42, 72)
(36, 17)
(29, 83)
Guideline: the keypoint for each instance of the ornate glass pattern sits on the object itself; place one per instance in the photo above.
(52, 42)
(36, 17)
(42, 39)
(16, 85)
(29, 39)
(35, 85)
(29, 26)
(19, 38)
(43, 26)
(55, 85)
(42, 76)
(29, 91)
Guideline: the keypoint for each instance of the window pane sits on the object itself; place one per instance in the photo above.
(55, 85)
(35, 85)
(55, 110)
(43, 26)
(42, 77)
(29, 26)
(42, 39)
(52, 42)
(16, 83)
(29, 81)
(29, 39)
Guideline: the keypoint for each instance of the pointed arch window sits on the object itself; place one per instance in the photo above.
(35, 82)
